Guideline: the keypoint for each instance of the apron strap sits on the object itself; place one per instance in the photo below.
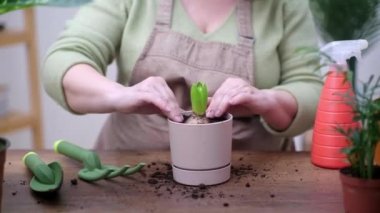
(164, 14)
(244, 19)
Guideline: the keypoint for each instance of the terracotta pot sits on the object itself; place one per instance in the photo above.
(201, 153)
(377, 154)
(360, 195)
(4, 144)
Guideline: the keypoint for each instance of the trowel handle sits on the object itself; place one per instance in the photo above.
(39, 168)
(32, 160)
(70, 150)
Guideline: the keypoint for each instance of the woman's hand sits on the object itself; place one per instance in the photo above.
(150, 96)
(87, 91)
(238, 97)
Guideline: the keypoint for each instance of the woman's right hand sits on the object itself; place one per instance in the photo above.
(150, 96)
(87, 91)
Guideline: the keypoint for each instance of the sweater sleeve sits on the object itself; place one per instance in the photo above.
(92, 37)
(299, 74)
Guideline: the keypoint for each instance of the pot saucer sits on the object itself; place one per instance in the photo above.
(197, 177)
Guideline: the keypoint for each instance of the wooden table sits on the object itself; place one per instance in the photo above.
(260, 182)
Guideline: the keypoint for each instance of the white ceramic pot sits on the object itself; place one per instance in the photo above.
(201, 153)
(3, 100)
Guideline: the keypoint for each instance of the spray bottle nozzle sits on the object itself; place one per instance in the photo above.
(341, 51)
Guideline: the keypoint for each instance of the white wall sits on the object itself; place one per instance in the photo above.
(58, 123)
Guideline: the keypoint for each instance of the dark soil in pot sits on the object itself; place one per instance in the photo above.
(190, 118)
(349, 172)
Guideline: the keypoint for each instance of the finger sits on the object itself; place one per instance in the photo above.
(222, 106)
(172, 99)
(218, 104)
(240, 99)
(150, 98)
(162, 90)
(214, 101)
(211, 109)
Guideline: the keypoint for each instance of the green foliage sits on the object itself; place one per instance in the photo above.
(11, 5)
(198, 95)
(347, 19)
(364, 139)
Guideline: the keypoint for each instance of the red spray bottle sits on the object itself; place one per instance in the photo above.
(333, 110)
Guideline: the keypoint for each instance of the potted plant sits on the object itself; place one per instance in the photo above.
(361, 180)
(200, 147)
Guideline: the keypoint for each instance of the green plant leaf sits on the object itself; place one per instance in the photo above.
(364, 138)
(198, 95)
(355, 19)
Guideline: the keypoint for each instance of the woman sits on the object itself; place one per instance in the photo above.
(243, 50)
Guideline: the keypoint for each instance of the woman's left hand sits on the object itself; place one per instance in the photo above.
(238, 97)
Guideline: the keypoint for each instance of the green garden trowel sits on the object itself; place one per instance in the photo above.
(47, 177)
(93, 169)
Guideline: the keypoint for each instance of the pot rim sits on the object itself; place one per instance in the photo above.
(358, 182)
(228, 116)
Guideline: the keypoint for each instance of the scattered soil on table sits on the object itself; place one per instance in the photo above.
(14, 193)
(74, 182)
(160, 179)
(272, 195)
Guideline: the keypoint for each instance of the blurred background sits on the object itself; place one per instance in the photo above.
(56, 123)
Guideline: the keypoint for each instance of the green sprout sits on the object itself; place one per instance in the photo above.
(198, 96)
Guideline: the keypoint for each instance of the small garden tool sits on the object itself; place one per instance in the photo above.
(93, 169)
(47, 177)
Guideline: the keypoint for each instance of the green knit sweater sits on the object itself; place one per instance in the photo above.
(118, 29)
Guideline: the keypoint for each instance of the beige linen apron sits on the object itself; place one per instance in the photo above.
(181, 61)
